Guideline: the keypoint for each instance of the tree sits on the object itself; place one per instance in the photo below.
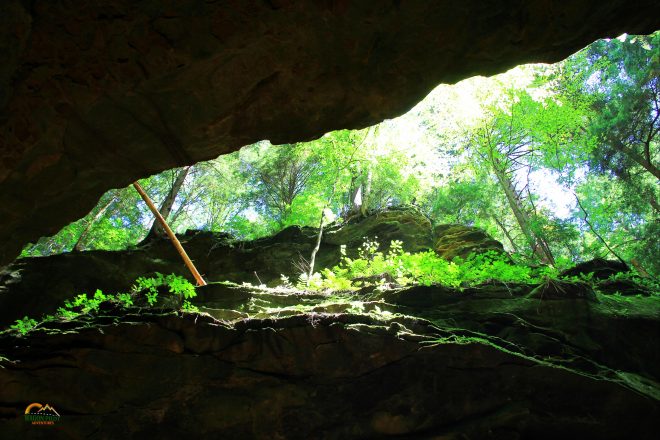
(166, 207)
(616, 84)
(504, 143)
(618, 81)
(279, 175)
(100, 209)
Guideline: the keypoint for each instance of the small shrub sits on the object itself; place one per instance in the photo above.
(125, 299)
(189, 307)
(176, 284)
(24, 325)
(81, 304)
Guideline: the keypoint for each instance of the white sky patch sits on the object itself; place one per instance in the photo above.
(554, 196)
(251, 214)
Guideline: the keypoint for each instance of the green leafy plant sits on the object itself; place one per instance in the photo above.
(649, 283)
(176, 284)
(425, 268)
(82, 304)
(189, 307)
(66, 313)
(125, 299)
(24, 325)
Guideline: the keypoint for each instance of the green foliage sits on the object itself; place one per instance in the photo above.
(176, 284)
(189, 307)
(425, 268)
(125, 299)
(649, 283)
(24, 325)
(82, 304)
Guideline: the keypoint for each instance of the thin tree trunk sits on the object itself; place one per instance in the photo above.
(654, 202)
(506, 233)
(175, 241)
(78, 247)
(319, 236)
(640, 269)
(166, 207)
(312, 259)
(586, 220)
(366, 192)
(354, 190)
(539, 249)
(641, 160)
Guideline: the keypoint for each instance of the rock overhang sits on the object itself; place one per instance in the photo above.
(94, 95)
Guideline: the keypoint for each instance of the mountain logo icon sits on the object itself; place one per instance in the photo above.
(38, 414)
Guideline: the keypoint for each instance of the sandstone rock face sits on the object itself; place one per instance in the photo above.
(406, 224)
(94, 95)
(306, 376)
(451, 241)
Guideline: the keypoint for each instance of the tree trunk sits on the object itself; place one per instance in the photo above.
(654, 202)
(640, 269)
(506, 233)
(539, 248)
(586, 220)
(312, 258)
(78, 247)
(366, 192)
(641, 160)
(354, 192)
(165, 209)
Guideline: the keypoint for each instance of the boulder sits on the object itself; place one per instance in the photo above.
(451, 241)
(405, 224)
(599, 267)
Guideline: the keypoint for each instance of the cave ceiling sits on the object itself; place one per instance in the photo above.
(96, 94)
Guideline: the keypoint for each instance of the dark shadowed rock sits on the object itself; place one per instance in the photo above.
(558, 289)
(625, 287)
(600, 267)
(498, 360)
(94, 95)
(306, 376)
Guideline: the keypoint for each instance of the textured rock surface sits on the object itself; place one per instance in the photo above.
(451, 241)
(94, 94)
(608, 335)
(601, 268)
(301, 377)
(406, 224)
(40, 285)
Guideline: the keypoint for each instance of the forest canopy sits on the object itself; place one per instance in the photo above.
(558, 162)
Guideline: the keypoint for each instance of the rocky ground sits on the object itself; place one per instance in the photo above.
(555, 360)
